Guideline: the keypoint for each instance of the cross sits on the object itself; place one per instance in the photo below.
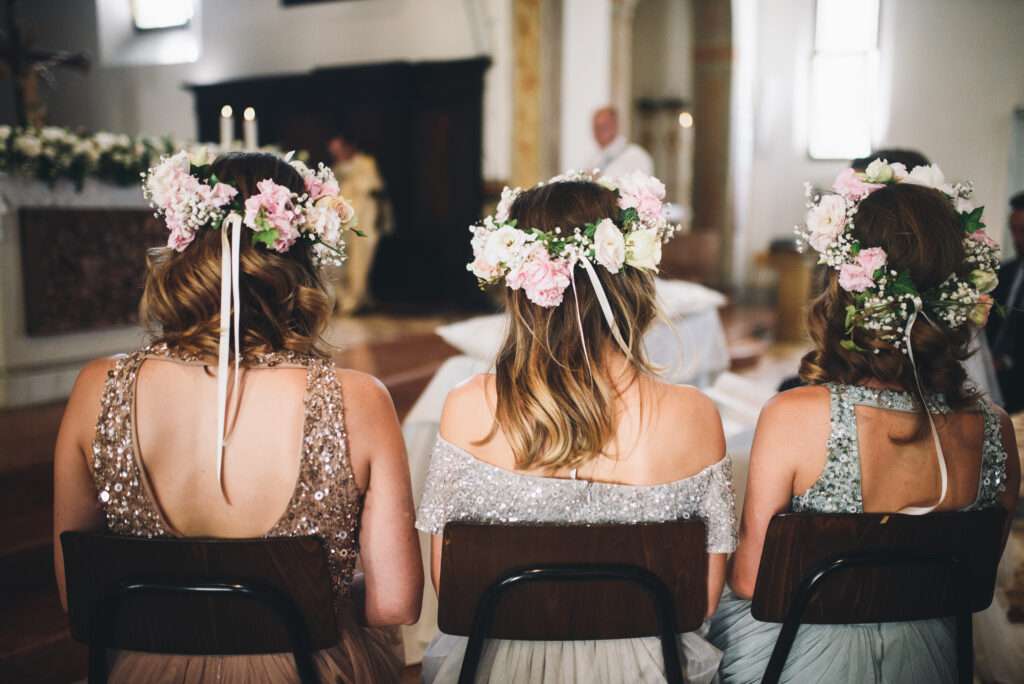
(24, 64)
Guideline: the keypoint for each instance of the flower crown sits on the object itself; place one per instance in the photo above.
(886, 300)
(542, 263)
(185, 191)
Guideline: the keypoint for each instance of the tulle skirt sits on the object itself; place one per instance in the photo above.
(922, 652)
(609, 661)
(364, 655)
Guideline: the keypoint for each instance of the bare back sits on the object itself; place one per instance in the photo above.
(664, 433)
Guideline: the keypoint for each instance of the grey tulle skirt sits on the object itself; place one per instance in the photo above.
(562, 662)
(895, 653)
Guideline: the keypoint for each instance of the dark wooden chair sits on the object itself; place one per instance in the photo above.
(570, 583)
(199, 596)
(866, 568)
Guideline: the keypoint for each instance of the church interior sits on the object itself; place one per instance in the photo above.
(427, 110)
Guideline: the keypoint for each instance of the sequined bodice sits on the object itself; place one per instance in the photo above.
(460, 487)
(838, 489)
(326, 501)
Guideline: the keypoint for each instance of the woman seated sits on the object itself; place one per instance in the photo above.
(308, 449)
(573, 427)
(887, 423)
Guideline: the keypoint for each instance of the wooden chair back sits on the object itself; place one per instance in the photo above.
(474, 557)
(799, 544)
(207, 622)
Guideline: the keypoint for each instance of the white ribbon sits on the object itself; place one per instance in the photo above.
(940, 457)
(606, 308)
(230, 254)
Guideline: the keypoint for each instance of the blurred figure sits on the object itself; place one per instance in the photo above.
(1006, 334)
(616, 156)
(359, 180)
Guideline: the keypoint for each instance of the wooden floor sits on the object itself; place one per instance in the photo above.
(34, 642)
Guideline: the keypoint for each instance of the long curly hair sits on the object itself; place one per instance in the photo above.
(921, 233)
(553, 410)
(284, 304)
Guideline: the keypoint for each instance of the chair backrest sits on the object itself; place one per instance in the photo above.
(799, 544)
(97, 565)
(474, 556)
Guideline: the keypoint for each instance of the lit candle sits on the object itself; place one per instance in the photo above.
(249, 128)
(227, 127)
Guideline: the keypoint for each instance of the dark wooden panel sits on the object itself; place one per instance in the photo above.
(195, 624)
(423, 124)
(474, 556)
(84, 269)
(797, 542)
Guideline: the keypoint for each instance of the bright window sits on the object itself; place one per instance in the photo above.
(149, 15)
(844, 75)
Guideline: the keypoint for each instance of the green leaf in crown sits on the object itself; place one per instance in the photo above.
(972, 221)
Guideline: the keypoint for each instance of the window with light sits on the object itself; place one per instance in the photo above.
(152, 15)
(844, 78)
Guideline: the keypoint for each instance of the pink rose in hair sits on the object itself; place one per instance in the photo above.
(984, 238)
(849, 184)
(273, 205)
(542, 278)
(854, 278)
(180, 238)
(318, 187)
(644, 193)
(219, 195)
(871, 259)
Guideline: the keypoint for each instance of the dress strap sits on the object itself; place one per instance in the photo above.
(992, 482)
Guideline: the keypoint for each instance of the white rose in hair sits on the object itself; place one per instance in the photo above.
(878, 171)
(826, 221)
(928, 176)
(609, 246)
(644, 193)
(501, 245)
(899, 171)
(643, 249)
(964, 205)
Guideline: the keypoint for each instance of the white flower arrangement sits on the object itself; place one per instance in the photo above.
(542, 263)
(885, 299)
(52, 153)
(184, 190)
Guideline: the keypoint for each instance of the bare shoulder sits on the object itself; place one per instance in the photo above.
(467, 407)
(364, 396)
(83, 407)
(799, 404)
(689, 419)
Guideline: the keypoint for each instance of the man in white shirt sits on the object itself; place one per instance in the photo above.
(616, 156)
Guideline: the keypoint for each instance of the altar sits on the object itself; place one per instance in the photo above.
(72, 263)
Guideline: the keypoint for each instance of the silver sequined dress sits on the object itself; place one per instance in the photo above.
(899, 653)
(326, 502)
(461, 488)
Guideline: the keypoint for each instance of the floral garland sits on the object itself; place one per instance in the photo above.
(885, 300)
(185, 191)
(542, 263)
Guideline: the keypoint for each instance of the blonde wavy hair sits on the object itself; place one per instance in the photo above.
(284, 304)
(555, 409)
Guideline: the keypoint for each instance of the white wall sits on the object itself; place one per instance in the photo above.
(586, 75)
(952, 73)
(241, 38)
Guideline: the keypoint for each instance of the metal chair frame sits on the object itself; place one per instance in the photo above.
(812, 582)
(106, 611)
(483, 616)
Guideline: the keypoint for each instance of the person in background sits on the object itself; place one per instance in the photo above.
(360, 181)
(616, 156)
(1006, 333)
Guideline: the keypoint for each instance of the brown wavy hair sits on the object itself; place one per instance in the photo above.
(552, 410)
(284, 304)
(921, 233)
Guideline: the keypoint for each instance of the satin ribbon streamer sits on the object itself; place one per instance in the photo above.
(940, 457)
(230, 312)
(606, 308)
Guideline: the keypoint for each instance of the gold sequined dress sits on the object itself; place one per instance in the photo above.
(326, 503)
